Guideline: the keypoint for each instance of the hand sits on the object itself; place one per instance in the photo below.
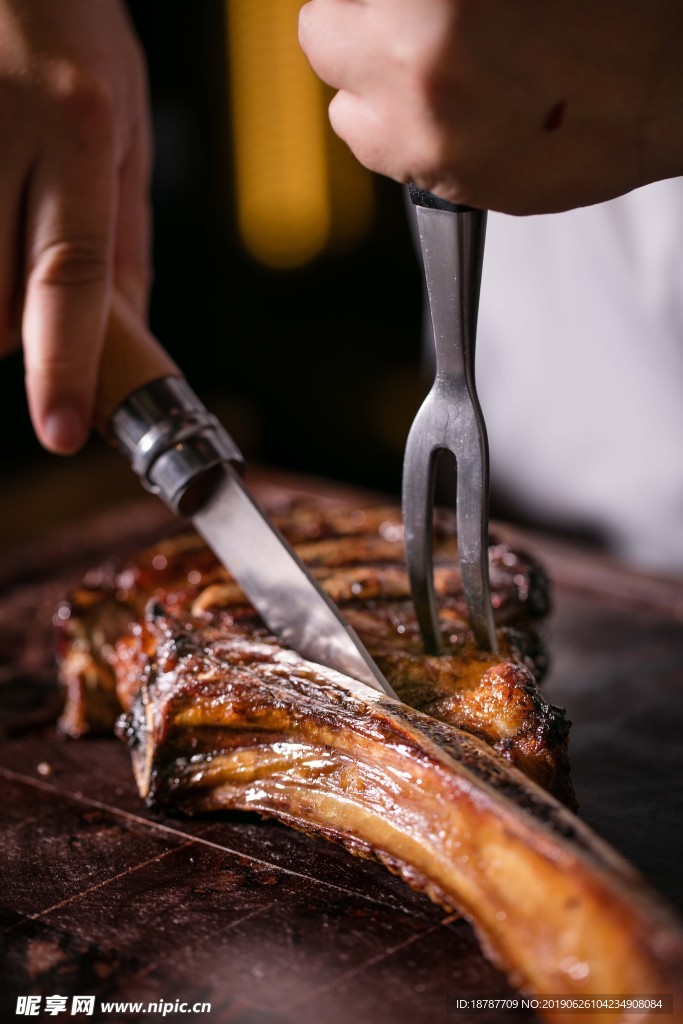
(522, 106)
(74, 172)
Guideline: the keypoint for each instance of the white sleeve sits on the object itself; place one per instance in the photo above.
(580, 367)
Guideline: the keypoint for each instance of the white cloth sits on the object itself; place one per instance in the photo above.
(580, 367)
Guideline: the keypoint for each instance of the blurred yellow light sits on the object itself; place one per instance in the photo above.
(279, 125)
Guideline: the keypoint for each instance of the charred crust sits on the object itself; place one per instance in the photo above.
(358, 555)
(220, 717)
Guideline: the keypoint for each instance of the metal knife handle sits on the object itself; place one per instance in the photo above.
(172, 441)
(154, 417)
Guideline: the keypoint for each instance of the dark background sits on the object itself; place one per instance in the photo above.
(314, 369)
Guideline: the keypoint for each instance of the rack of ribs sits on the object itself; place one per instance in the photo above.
(462, 787)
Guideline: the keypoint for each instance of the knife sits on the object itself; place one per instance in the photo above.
(181, 452)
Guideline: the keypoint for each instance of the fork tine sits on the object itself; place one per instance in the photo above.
(419, 467)
(472, 523)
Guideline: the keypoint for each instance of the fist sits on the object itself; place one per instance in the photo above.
(522, 106)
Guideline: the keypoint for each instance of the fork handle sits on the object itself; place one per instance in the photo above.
(421, 197)
(452, 244)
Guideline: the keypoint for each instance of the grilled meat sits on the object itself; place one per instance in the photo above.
(225, 721)
(358, 558)
(449, 789)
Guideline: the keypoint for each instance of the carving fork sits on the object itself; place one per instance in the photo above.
(450, 419)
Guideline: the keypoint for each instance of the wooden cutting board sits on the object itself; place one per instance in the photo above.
(102, 897)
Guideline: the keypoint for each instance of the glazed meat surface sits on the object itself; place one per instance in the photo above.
(453, 787)
(225, 722)
(358, 558)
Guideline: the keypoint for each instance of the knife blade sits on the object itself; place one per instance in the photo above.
(290, 601)
(184, 455)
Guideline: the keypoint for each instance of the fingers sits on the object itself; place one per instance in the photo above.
(68, 254)
(336, 36)
(132, 255)
(354, 121)
(378, 55)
